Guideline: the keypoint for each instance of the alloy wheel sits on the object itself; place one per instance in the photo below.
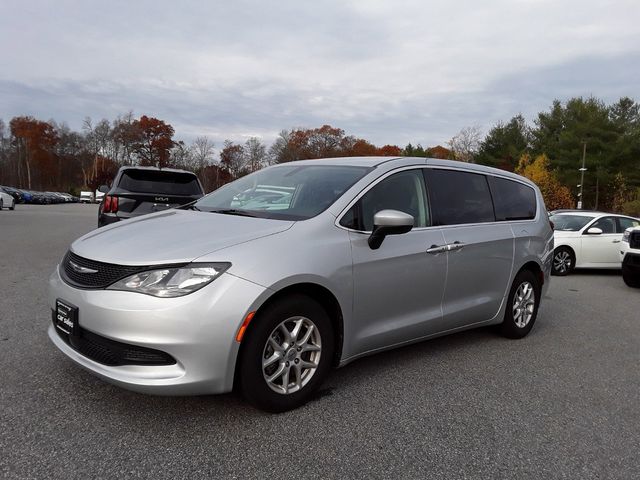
(291, 355)
(524, 303)
(562, 261)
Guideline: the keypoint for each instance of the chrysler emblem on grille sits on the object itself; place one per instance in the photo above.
(81, 269)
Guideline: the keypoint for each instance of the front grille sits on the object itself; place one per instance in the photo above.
(113, 353)
(634, 239)
(102, 274)
(105, 273)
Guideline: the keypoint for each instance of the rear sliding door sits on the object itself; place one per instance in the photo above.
(481, 251)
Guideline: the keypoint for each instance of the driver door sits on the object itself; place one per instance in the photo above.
(601, 250)
(398, 287)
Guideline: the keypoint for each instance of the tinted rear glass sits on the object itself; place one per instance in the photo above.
(158, 182)
(459, 197)
(512, 200)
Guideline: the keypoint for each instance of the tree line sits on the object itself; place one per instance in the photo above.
(47, 155)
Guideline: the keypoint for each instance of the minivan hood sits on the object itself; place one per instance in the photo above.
(173, 236)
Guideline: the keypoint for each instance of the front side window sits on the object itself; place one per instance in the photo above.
(606, 224)
(286, 192)
(459, 197)
(404, 191)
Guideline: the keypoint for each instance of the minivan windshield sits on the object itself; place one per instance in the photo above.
(285, 192)
(569, 223)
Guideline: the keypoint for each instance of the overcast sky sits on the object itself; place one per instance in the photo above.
(388, 71)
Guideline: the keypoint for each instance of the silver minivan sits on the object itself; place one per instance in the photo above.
(272, 280)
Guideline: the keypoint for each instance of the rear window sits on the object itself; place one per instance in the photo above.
(459, 197)
(569, 223)
(512, 200)
(159, 182)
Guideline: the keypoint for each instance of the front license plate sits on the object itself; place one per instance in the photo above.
(66, 318)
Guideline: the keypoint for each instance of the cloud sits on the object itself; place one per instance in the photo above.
(391, 72)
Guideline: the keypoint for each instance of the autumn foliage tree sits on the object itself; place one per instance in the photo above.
(324, 142)
(539, 171)
(154, 141)
(34, 140)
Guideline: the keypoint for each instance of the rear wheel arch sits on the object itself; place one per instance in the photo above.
(535, 268)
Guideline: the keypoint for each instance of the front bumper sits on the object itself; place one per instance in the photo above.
(197, 330)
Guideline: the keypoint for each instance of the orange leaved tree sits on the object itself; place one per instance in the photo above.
(539, 171)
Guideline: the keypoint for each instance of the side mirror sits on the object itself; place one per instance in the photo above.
(103, 188)
(389, 222)
(594, 231)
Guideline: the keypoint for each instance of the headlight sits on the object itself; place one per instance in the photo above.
(172, 282)
(626, 235)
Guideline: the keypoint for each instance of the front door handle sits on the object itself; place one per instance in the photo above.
(616, 241)
(436, 249)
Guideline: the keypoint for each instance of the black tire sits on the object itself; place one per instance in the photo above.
(13, 205)
(1, 205)
(632, 280)
(564, 261)
(510, 326)
(252, 381)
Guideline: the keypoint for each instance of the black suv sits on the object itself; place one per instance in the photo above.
(140, 190)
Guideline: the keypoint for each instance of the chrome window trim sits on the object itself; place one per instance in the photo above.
(436, 167)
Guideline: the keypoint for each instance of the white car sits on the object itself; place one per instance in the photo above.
(6, 200)
(86, 197)
(586, 239)
(630, 257)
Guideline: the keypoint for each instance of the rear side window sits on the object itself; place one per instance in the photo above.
(159, 182)
(512, 200)
(626, 222)
(459, 197)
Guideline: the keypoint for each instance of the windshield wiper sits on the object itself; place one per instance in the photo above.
(234, 211)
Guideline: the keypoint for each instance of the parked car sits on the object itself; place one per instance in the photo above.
(630, 257)
(140, 190)
(15, 193)
(86, 197)
(371, 253)
(588, 239)
(6, 200)
(26, 196)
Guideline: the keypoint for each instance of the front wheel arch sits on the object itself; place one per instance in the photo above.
(324, 297)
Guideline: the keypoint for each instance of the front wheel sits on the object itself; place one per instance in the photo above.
(630, 278)
(13, 205)
(286, 354)
(564, 261)
(522, 305)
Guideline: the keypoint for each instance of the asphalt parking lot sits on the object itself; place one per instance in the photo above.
(561, 403)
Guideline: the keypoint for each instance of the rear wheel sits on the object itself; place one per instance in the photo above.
(286, 354)
(564, 261)
(1, 205)
(522, 305)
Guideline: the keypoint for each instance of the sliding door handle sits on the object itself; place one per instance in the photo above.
(436, 249)
(455, 246)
